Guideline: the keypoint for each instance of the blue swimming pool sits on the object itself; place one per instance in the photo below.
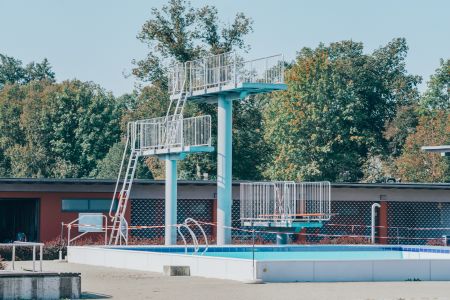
(310, 255)
(289, 253)
(290, 263)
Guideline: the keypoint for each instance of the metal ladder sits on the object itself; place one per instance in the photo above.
(173, 120)
(172, 125)
(124, 194)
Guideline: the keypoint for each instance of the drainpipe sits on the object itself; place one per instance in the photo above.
(374, 206)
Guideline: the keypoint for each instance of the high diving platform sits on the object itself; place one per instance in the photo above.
(217, 79)
(227, 74)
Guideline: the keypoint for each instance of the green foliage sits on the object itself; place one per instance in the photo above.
(432, 128)
(333, 115)
(398, 129)
(108, 167)
(56, 130)
(437, 95)
(12, 71)
(420, 166)
(180, 32)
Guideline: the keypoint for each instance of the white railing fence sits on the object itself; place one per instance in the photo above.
(285, 201)
(153, 133)
(16, 244)
(224, 70)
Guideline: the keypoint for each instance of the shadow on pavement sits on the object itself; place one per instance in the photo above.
(89, 295)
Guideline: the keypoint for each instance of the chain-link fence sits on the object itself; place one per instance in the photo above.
(417, 223)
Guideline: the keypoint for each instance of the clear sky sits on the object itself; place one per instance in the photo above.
(96, 39)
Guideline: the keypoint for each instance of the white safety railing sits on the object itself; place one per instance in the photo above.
(152, 134)
(16, 244)
(224, 70)
(85, 228)
(285, 202)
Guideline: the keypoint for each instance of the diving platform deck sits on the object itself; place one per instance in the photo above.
(160, 137)
(176, 150)
(238, 90)
(203, 80)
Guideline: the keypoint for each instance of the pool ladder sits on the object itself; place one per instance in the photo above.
(186, 224)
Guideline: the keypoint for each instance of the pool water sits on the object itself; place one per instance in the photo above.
(288, 252)
(310, 255)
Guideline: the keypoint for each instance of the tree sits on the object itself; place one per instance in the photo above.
(12, 71)
(437, 95)
(108, 167)
(179, 32)
(419, 166)
(332, 117)
(433, 128)
(56, 130)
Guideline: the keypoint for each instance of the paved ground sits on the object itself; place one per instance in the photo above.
(107, 283)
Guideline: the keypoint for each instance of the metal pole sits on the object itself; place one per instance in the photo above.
(13, 256)
(224, 165)
(253, 251)
(69, 227)
(171, 202)
(41, 254)
(374, 206)
(34, 258)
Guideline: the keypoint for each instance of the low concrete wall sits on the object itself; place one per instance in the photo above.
(354, 270)
(204, 266)
(414, 265)
(39, 285)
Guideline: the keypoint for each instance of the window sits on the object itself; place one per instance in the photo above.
(86, 205)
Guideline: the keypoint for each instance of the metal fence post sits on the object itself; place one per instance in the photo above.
(34, 258)
(41, 254)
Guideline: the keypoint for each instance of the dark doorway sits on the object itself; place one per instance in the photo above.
(19, 216)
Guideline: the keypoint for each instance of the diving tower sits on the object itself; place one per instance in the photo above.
(221, 79)
(217, 79)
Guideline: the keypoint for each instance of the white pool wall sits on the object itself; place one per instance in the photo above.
(422, 266)
(203, 266)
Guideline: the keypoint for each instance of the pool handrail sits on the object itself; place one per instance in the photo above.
(185, 224)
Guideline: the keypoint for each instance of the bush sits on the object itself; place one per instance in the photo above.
(435, 242)
(345, 240)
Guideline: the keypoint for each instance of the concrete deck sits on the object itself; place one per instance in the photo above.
(109, 283)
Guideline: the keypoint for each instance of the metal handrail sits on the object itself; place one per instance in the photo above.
(285, 202)
(69, 228)
(194, 238)
(151, 134)
(185, 224)
(120, 173)
(201, 229)
(223, 70)
(26, 244)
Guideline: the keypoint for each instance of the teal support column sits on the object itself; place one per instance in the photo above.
(224, 165)
(171, 202)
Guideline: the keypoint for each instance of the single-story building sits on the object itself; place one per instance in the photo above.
(410, 213)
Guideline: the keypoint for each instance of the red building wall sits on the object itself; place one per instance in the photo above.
(50, 212)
